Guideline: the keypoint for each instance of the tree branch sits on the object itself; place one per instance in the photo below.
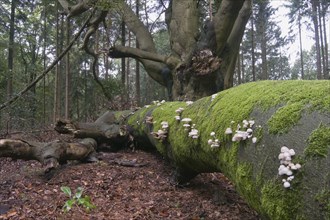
(93, 26)
(235, 36)
(224, 21)
(77, 9)
(121, 51)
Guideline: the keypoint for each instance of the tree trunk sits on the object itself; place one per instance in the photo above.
(290, 113)
(300, 47)
(264, 117)
(317, 39)
(253, 58)
(137, 64)
(57, 90)
(67, 75)
(327, 69)
(123, 63)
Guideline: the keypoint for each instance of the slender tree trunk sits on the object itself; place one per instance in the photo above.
(44, 65)
(264, 73)
(137, 65)
(301, 48)
(327, 70)
(123, 63)
(11, 43)
(128, 70)
(321, 40)
(57, 94)
(242, 68)
(238, 68)
(11, 49)
(253, 58)
(68, 74)
(317, 39)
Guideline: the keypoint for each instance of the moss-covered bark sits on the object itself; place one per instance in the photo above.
(291, 113)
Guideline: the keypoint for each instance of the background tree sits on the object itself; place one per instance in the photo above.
(262, 46)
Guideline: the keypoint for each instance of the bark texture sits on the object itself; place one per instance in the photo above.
(52, 154)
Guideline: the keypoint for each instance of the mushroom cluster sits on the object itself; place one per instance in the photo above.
(193, 133)
(243, 132)
(149, 120)
(178, 112)
(158, 103)
(162, 133)
(189, 102)
(287, 167)
(188, 126)
(214, 142)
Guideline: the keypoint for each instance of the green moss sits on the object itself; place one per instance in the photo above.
(323, 198)
(318, 142)
(281, 203)
(246, 184)
(237, 104)
(285, 118)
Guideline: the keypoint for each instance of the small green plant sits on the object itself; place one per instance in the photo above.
(76, 199)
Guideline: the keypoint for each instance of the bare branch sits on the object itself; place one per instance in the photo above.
(77, 9)
(121, 51)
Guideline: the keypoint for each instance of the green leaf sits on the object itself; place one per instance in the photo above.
(66, 190)
(78, 193)
(68, 205)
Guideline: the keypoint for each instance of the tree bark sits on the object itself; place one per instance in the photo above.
(52, 154)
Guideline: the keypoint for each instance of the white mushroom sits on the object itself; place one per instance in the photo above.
(286, 184)
(228, 131)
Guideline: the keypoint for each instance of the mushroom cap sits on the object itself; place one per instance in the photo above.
(186, 120)
(292, 152)
(284, 149)
(228, 131)
(178, 118)
(286, 184)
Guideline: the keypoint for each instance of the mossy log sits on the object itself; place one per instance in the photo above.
(283, 113)
(52, 154)
(295, 114)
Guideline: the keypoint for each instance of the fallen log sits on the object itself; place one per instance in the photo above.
(52, 154)
(270, 138)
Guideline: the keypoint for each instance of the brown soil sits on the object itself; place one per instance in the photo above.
(119, 192)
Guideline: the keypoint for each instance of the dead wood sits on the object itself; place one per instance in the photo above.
(52, 154)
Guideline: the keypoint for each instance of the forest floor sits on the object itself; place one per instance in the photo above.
(118, 192)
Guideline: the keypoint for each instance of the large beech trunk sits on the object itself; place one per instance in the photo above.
(291, 113)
